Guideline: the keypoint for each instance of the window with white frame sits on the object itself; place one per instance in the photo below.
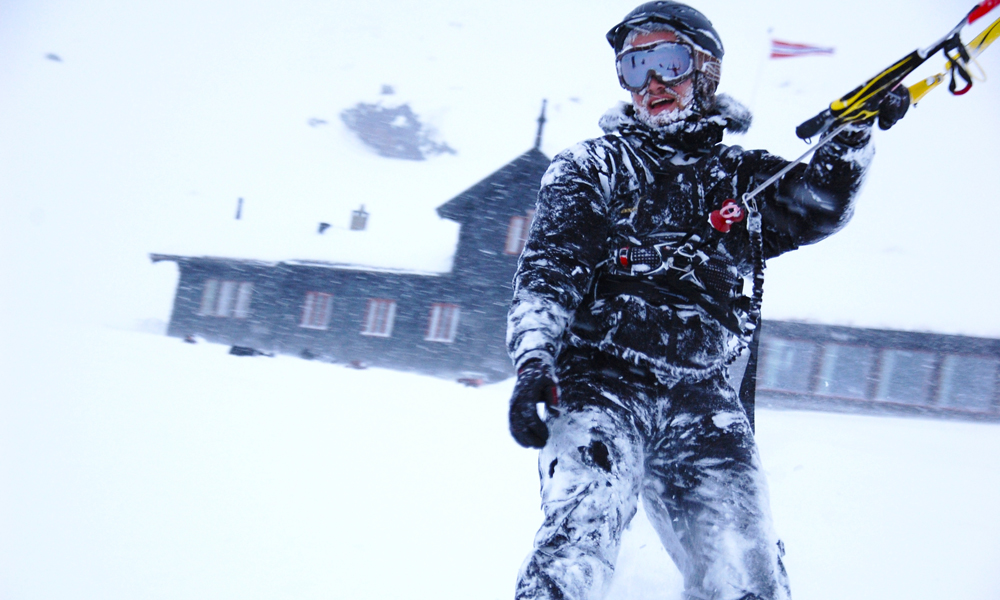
(443, 323)
(316, 310)
(905, 376)
(226, 298)
(243, 293)
(517, 233)
(786, 365)
(208, 293)
(968, 381)
(379, 316)
(845, 371)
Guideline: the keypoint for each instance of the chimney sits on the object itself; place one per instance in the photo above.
(359, 219)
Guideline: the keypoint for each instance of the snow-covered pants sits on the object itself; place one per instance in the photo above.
(688, 450)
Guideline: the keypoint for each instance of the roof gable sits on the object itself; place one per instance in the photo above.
(529, 166)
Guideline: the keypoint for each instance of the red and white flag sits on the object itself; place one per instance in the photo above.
(780, 49)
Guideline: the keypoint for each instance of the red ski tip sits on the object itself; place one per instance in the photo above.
(983, 8)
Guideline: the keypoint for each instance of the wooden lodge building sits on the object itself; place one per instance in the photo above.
(449, 325)
(452, 325)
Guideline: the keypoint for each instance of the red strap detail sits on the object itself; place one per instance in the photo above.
(963, 90)
(981, 9)
(723, 219)
(719, 222)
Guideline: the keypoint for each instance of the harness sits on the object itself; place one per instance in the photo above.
(692, 272)
(680, 271)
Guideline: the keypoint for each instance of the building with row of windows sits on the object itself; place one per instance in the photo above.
(231, 299)
(811, 366)
(445, 324)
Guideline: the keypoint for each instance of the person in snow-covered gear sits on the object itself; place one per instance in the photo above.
(628, 309)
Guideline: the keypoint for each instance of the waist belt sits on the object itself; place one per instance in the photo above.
(688, 264)
(662, 275)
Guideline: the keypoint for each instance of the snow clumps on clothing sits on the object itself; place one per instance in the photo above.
(728, 112)
(641, 187)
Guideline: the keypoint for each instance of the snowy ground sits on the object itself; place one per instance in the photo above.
(138, 466)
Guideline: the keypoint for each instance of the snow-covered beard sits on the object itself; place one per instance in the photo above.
(661, 120)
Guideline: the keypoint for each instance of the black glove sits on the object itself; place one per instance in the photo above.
(535, 383)
(892, 108)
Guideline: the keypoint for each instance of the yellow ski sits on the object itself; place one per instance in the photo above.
(861, 103)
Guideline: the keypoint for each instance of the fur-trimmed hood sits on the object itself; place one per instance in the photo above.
(695, 133)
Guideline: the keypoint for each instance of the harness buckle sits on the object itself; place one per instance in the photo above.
(661, 258)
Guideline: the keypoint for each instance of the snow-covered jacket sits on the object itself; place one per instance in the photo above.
(636, 184)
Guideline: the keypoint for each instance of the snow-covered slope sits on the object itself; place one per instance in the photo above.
(137, 466)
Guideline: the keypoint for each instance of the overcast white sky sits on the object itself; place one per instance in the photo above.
(159, 115)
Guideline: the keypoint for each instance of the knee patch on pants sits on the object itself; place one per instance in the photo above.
(591, 446)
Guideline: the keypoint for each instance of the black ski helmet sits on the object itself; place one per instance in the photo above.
(680, 17)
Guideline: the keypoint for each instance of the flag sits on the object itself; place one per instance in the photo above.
(780, 49)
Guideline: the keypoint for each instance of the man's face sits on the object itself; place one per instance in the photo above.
(657, 98)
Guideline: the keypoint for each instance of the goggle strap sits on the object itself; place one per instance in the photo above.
(702, 59)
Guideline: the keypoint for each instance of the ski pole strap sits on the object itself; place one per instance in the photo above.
(956, 72)
(748, 387)
(756, 230)
(958, 67)
(973, 49)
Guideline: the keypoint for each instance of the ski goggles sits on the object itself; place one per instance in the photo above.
(670, 62)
